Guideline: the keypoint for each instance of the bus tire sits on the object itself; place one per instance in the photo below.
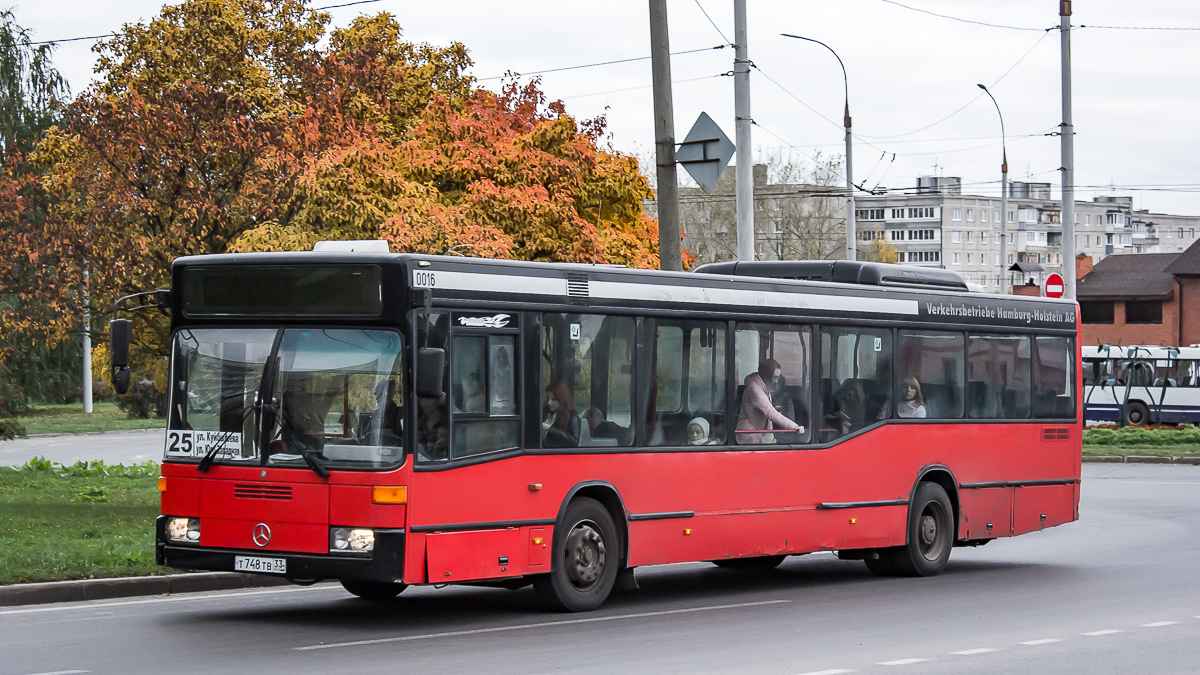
(585, 560)
(372, 590)
(762, 563)
(1137, 414)
(930, 534)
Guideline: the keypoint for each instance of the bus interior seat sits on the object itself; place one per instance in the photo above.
(876, 399)
(586, 440)
(941, 401)
(828, 390)
(980, 401)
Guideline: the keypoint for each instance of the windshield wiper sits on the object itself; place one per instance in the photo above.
(309, 459)
(207, 460)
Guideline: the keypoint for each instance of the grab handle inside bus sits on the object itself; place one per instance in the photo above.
(120, 331)
(431, 367)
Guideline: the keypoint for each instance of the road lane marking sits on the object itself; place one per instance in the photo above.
(1043, 641)
(542, 624)
(1108, 631)
(86, 605)
(63, 672)
(903, 662)
(971, 652)
(831, 671)
(1159, 624)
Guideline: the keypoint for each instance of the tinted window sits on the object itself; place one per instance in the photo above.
(283, 290)
(483, 394)
(929, 376)
(1096, 311)
(587, 380)
(1054, 377)
(433, 417)
(856, 379)
(763, 348)
(1143, 312)
(689, 384)
(998, 376)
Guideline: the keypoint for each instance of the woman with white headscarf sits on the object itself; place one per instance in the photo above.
(698, 432)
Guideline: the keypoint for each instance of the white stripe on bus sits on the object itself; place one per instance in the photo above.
(749, 298)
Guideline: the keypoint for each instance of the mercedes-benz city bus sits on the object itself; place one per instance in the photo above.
(390, 419)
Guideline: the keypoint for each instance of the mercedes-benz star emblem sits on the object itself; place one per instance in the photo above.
(262, 534)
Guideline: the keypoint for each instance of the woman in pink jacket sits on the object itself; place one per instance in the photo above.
(758, 412)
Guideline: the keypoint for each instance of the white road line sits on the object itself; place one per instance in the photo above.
(831, 671)
(63, 672)
(903, 662)
(1043, 641)
(1102, 632)
(1159, 624)
(88, 606)
(971, 652)
(543, 624)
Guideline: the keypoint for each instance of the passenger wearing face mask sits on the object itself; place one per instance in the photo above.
(698, 432)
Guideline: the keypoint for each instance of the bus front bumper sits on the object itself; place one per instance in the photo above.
(385, 564)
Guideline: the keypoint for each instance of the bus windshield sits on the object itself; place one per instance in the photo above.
(335, 395)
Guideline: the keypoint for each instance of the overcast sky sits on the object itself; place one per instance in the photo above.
(1135, 91)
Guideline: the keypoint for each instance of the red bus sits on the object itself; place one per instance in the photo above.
(390, 419)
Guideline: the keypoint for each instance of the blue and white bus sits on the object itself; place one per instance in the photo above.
(1156, 385)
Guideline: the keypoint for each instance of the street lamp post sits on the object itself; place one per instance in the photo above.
(1003, 197)
(851, 235)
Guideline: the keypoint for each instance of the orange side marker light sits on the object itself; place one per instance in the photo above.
(162, 484)
(389, 494)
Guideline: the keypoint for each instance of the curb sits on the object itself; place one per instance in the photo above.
(125, 587)
(1141, 459)
(57, 434)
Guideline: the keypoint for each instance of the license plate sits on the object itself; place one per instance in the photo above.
(245, 563)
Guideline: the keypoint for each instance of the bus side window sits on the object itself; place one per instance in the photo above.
(856, 380)
(934, 361)
(689, 384)
(998, 376)
(788, 347)
(587, 380)
(1053, 377)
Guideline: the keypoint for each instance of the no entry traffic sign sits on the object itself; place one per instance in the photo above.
(1055, 286)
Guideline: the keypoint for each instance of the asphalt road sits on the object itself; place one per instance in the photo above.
(114, 447)
(1115, 592)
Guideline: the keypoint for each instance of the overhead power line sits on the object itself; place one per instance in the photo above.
(602, 63)
(714, 23)
(955, 18)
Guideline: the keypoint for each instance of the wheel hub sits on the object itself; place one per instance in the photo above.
(585, 554)
(928, 530)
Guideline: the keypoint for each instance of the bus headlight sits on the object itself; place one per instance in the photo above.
(351, 540)
(183, 530)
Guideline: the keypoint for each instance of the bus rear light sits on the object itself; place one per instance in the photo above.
(389, 494)
(351, 540)
(183, 530)
(162, 484)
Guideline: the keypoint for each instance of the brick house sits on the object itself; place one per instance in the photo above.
(1148, 299)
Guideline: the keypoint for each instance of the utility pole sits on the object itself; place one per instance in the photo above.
(1003, 196)
(669, 254)
(87, 343)
(1067, 131)
(744, 170)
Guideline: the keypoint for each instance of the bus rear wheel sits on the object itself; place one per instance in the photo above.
(763, 563)
(586, 554)
(930, 534)
(1137, 413)
(372, 590)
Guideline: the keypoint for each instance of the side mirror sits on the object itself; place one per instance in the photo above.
(120, 331)
(431, 369)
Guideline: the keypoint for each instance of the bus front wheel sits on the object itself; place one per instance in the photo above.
(930, 534)
(372, 590)
(586, 555)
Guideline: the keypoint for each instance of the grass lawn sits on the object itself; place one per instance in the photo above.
(1180, 450)
(49, 532)
(70, 419)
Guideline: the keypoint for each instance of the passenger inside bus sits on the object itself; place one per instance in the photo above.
(561, 427)
(758, 414)
(698, 432)
(911, 403)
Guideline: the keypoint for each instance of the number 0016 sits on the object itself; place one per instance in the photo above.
(423, 280)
